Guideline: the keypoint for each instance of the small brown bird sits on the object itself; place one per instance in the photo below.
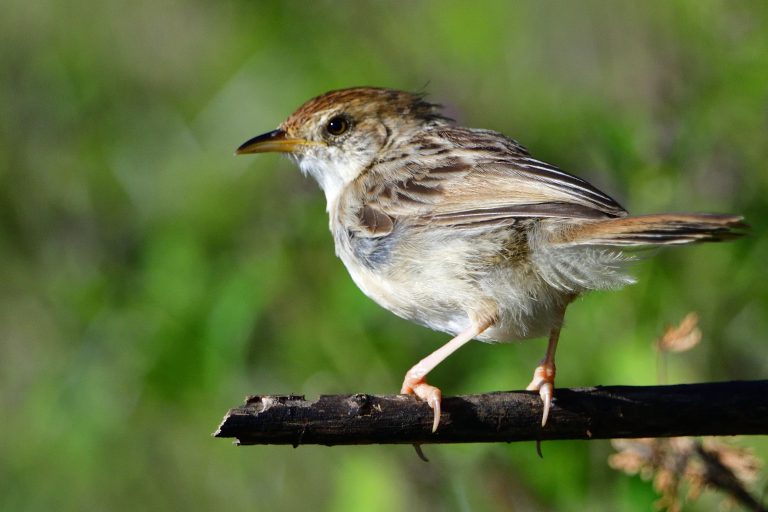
(460, 229)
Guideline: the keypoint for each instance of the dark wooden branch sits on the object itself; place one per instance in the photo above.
(725, 408)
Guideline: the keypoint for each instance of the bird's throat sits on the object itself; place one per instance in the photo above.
(331, 175)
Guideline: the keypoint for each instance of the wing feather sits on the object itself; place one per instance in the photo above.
(482, 178)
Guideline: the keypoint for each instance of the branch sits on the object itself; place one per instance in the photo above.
(725, 408)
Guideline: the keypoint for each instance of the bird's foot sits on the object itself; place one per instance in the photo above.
(413, 385)
(544, 382)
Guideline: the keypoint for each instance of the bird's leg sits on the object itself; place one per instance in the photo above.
(544, 374)
(415, 383)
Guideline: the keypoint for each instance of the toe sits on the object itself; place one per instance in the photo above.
(433, 396)
(430, 394)
(541, 375)
(544, 382)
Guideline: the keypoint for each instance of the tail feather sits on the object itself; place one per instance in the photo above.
(661, 229)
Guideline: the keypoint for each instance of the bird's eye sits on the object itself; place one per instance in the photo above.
(337, 125)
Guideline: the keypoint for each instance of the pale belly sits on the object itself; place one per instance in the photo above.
(432, 286)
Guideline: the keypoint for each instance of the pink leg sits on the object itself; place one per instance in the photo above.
(544, 375)
(414, 382)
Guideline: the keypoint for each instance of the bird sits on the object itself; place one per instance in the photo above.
(460, 229)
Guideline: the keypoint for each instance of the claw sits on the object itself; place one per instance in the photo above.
(430, 394)
(544, 382)
(434, 403)
(420, 452)
(546, 391)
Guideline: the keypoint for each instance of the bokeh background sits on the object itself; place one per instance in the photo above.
(149, 280)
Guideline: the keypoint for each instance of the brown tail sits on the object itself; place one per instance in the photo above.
(661, 229)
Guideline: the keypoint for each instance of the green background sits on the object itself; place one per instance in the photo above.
(149, 280)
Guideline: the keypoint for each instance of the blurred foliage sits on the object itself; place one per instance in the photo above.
(149, 279)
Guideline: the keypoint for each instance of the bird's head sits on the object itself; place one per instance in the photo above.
(337, 136)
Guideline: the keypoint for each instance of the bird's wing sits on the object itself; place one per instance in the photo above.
(493, 180)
